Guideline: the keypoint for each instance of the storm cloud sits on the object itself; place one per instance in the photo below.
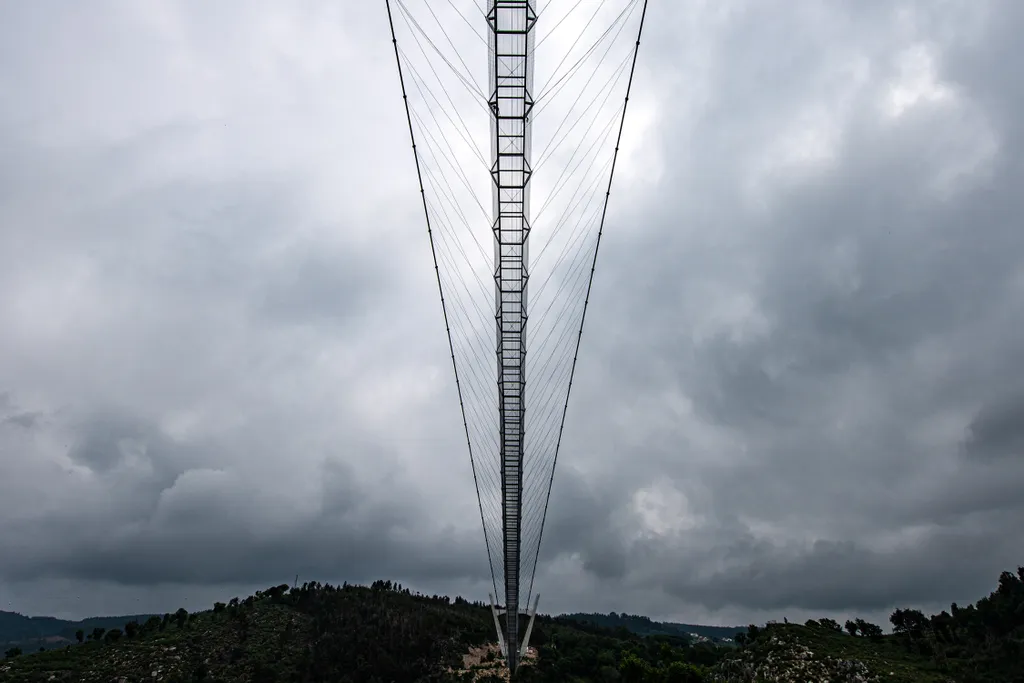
(222, 359)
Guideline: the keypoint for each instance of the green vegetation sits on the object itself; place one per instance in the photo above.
(350, 633)
(643, 626)
(31, 633)
(788, 652)
(385, 633)
(981, 643)
(570, 652)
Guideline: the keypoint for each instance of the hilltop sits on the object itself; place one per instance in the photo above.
(340, 633)
(386, 633)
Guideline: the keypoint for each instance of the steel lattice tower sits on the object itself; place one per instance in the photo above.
(510, 41)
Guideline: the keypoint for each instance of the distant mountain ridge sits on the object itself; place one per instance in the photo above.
(644, 626)
(31, 633)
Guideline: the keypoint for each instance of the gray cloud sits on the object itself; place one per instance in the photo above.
(28, 420)
(223, 362)
(825, 342)
(171, 516)
(997, 431)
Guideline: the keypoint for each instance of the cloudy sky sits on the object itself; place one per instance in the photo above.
(800, 390)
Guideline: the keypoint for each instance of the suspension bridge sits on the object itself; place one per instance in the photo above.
(515, 281)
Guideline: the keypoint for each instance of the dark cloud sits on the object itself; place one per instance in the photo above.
(831, 576)
(997, 431)
(105, 441)
(185, 522)
(798, 391)
(809, 357)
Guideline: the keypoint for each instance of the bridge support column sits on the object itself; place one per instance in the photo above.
(496, 613)
(529, 628)
(497, 627)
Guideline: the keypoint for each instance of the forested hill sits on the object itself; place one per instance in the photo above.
(346, 634)
(17, 630)
(644, 626)
(350, 634)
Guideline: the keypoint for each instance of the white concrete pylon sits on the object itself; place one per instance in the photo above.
(529, 628)
(497, 627)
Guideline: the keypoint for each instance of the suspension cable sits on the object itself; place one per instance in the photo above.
(590, 283)
(440, 289)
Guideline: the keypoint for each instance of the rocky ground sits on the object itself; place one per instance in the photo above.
(486, 664)
(797, 654)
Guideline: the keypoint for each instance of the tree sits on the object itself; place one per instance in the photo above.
(681, 672)
(634, 669)
(851, 627)
(831, 624)
(942, 625)
(909, 622)
(218, 607)
(97, 633)
(79, 635)
(12, 653)
(131, 629)
(113, 635)
(276, 592)
(181, 616)
(1008, 583)
(868, 629)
